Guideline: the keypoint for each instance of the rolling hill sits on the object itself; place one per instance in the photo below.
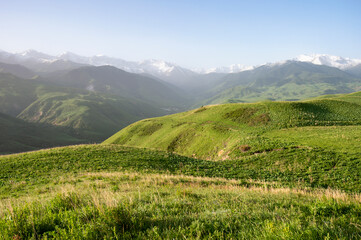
(232, 130)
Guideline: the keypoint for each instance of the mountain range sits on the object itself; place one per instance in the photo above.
(90, 98)
(170, 72)
(153, 66)
(75, 114)
(292, 80)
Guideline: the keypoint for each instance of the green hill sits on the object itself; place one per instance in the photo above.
(289, 81)
(237, 130)
(114, 192)
(91, 115)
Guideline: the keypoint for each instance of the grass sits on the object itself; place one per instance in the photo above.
(110, 191)
(270, 170)
(336, 138)
(116, 202)
(294, 167)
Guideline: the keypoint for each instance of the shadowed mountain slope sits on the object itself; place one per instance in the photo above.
(111, 80)
(19, 136)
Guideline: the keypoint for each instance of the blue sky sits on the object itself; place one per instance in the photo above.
(191, 33)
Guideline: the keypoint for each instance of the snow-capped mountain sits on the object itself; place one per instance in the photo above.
(29, 55)
(39, 62)
(158, 68)
(318, 59)
(234, 68)
(161, 69)
(100, 60)
(329, 60)
(32, 54)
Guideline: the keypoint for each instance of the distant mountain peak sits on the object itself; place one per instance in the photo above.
(164, 70)
(328, 60)
(67, 53)
(234, 68)
(159, 66)
(31, 53)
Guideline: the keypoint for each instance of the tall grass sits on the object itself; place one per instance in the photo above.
(153, 206)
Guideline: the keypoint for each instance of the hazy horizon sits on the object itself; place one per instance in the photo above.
(200, 69)
(202, 34)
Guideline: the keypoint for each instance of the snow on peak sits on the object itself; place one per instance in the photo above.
(329, 60)
(158, 66)
(274, 64)
(69, 56)
(234, 68)
(36, 55)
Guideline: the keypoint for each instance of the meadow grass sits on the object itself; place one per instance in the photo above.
(293, 167)
(238, 171)
(116, 192)
(130, 205)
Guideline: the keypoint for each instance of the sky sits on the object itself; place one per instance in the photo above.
(190, 33)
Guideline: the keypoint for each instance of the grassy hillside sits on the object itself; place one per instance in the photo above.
(240, 130)
(115, 192)
(19, 136)
(91, 115)
(288, 81)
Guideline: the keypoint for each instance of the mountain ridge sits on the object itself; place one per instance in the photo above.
(291, 80)
(160, 66)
